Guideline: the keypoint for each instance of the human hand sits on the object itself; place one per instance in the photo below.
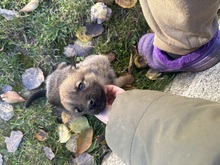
(111, 91)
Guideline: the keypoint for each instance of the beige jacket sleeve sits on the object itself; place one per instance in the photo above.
(155, 128)
(181, 26)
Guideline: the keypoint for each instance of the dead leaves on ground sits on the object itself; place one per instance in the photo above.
(10, 14)
(84, 141)
(32, 78)
(86, 33)
(85, 158)
(49, 153)
(100, 13)
(12, 97)
(6, 111)
(126, 3)
(83, 45)
(41, 135)
(78, 49)
(76, 133)
(1, 160)
(31, 6)
(13, 141)
(64, 133)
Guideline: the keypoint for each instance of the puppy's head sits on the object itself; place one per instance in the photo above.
(81, 92)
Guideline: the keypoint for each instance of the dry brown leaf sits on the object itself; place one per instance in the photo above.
(66, 118)
(6, 88)
(31, 6)
(153, 75)
(1, 160)
(8, 14)
(107, 2)
(100, 13)
(79, 48)
(126, 3)
(32, 78)
(13, 141)
(84, 140)
(82, 36)
(72, 143)
(49, 153)
(41, 135)
(79, 124)
(85, 158)
(94, 30)
(75, 124)
(12, 97)
(140, 61)
(6, 111)
(64, 133)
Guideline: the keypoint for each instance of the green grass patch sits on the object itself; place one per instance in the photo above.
(37, 39)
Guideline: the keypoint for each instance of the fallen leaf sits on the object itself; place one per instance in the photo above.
(41, 135)
(79, 124)
(140, 61)
(31, 6)
(49, 153)
(82, 36)
(84, 159)
(12, 97)
(6, 111)
(6, 88)
(84, 140)
(69, 51)
(101, 139)
(126, 3)
(64, 133)
(153, 75)
(79, 48)
(8, 14)
(67, 119)
(32, 78)
(1, 159)
(94, 30)
(100, 13)
(107, 2)
(72, 143)
(13, 141)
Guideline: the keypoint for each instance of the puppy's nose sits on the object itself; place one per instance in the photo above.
(91, 104)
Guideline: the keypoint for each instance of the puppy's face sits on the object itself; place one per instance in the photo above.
(80, 92)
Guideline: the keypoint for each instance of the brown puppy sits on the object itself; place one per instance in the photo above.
(80, 90)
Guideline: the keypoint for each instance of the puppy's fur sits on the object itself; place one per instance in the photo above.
(81, 90)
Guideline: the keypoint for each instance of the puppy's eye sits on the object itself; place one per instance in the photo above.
(77, 109)
(81, 86)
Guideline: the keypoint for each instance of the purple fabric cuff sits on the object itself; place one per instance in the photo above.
(161, 58)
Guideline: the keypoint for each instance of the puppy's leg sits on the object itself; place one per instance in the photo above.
(110, 56)
(124, 80)
(61, 65)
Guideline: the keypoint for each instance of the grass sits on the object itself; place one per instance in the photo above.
(37, 39)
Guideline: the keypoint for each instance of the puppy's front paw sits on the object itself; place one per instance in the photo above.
(124, 80)
(110, 56)
(62, 65)
(129, 79)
